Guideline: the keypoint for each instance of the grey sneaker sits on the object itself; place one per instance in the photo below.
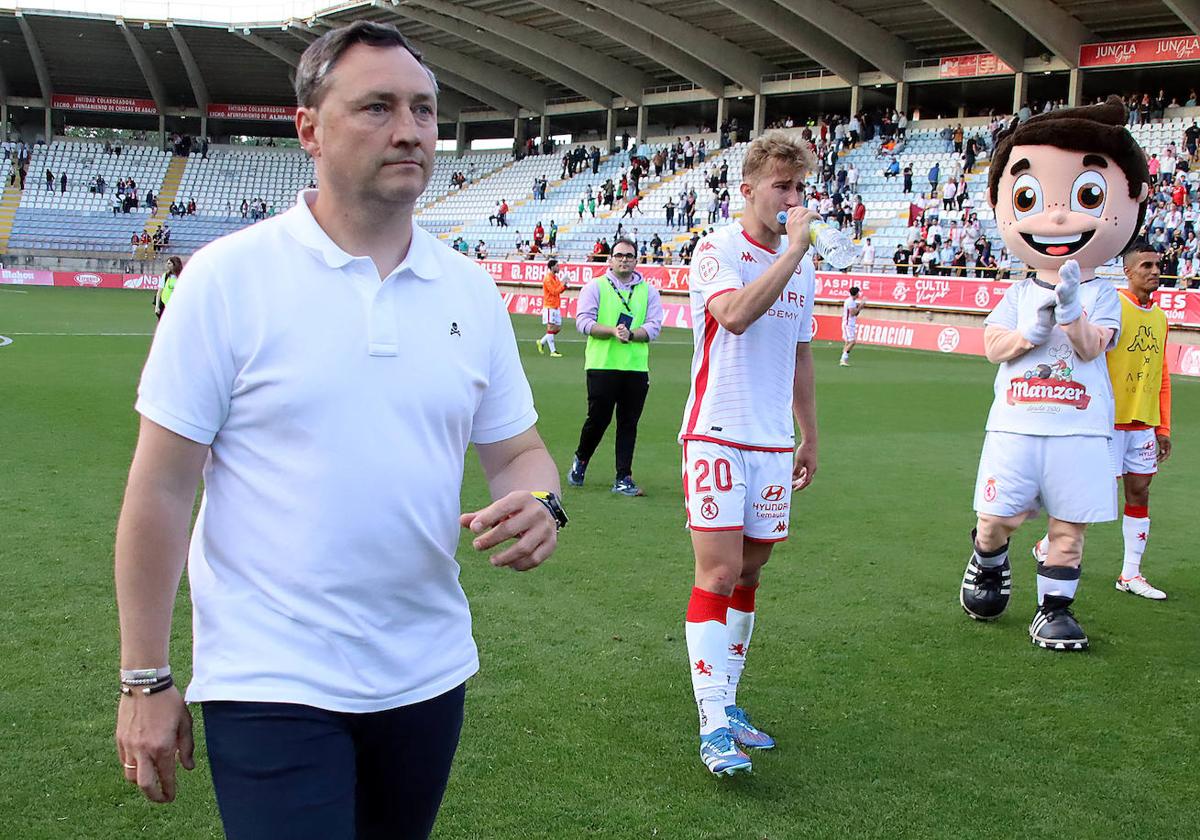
(575, 476)
(626, 487)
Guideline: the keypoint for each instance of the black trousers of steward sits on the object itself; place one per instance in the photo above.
(622, 390)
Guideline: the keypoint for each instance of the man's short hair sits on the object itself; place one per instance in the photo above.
(551, 263)
(854, 290)
(777, 147)
(1139, 246)
(324, 53)
(625, 240)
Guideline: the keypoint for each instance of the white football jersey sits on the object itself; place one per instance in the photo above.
(1049, 390)
(742, 384)
(849, 315)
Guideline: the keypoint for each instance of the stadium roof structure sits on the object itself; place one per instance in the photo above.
(509, 58)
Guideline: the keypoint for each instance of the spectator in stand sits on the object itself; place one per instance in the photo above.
(901, 258)
(539, 234)
(868, 256)
(908, 176)
(49, 181)
(135, 244)
(949, 191)
(552, 238)
(892, 170)
(935, 176)
(191, 207)
(859, 214)
(502, 213)
(481, 250)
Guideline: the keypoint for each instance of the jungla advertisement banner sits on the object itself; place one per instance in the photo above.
(1143, 51)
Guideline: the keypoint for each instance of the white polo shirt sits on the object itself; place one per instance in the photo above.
(338, 409)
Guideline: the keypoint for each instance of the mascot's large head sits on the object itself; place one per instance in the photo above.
(1069, 184)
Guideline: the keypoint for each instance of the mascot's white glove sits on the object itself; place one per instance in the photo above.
(1035, 315)
(1068, 308)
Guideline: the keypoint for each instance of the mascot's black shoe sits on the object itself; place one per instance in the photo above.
(985, 590)
(1054, 626)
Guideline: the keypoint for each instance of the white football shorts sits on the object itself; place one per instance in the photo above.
(552, 317)
(1070, 476)
(727, 488)
(849, 331)
(1136, 451)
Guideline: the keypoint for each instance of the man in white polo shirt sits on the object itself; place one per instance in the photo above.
(325, 370)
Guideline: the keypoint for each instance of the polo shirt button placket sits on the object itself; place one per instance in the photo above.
(382, 324)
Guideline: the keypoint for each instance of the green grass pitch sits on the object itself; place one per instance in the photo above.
(896, 715)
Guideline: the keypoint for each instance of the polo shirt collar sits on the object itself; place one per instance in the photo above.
(303, 227)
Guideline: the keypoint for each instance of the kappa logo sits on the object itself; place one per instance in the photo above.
(780, 527)
(709, 508)
(1144, 341)
(706, 246)
(773, 493)
(748, 257)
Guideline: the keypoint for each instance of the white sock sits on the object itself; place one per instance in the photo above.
(845, 356)
(542, 341)
(991, 559)
(740, 621)
(707, 643)
(1061, 581)
(1136, 532)
(550, 341)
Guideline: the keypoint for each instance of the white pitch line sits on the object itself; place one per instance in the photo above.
(81, 335)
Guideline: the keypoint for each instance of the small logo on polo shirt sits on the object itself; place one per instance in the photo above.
(454, 330)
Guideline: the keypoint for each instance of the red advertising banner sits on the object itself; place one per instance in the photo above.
(1144, 51)
(273, 113)
(105, 104)
(966, 66)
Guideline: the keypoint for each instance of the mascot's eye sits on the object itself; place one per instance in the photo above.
(1088, 192)
(1026, 196)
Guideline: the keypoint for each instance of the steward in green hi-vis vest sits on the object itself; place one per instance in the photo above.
(606, 354)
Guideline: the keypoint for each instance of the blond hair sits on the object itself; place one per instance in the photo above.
(777, 147)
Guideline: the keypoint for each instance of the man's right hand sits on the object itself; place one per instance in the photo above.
(151, 731)
(798, 221)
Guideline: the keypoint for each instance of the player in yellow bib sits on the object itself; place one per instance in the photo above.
(1142, 401)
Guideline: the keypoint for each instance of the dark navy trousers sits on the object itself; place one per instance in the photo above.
(289, 772)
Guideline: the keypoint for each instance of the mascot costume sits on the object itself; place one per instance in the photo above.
(1069, 188)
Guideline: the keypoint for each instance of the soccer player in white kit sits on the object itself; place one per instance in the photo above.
(752, 292)
(1069, 189)
(851, 306)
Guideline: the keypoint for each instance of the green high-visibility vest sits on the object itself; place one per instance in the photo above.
(609, 353)
(168, 288)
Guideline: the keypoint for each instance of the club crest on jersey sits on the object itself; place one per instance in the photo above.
(989, 490)
(709, 509)
(1050, 384)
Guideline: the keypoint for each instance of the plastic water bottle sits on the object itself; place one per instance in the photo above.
(833, 245)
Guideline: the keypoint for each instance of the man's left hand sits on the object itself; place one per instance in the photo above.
(623, 333)
(805, 466)
(518, 516)
(1164, 447)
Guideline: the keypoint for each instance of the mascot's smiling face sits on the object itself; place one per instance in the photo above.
(1053, 205)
